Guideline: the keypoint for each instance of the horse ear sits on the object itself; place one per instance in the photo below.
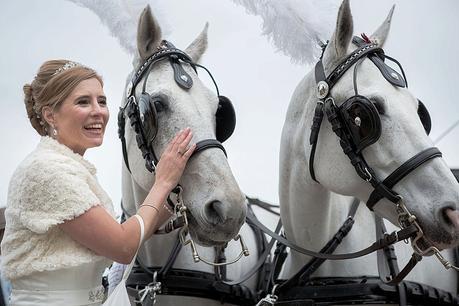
(196, 49)
(148, 33)
(380, 35)
(341, 38)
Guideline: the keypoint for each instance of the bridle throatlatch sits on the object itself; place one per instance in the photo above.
(357, 124)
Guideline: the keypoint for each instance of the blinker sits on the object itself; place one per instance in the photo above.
(362, 121)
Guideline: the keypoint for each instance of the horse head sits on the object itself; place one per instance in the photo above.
(171, 97)
(385, 125)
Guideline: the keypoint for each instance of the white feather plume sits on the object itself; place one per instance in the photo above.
(295, 26)
(121, 18)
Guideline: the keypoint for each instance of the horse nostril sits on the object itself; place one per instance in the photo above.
(451, 217)
(215, 212)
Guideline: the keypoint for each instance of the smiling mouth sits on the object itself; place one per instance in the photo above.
(95, 128)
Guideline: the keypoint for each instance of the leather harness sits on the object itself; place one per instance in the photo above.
(299, 289)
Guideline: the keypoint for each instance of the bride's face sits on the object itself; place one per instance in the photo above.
(81, 119)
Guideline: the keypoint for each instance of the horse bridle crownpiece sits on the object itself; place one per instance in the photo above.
(357, 124)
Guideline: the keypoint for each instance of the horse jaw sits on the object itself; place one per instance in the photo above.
(197, 48)
(380, 35)
(431, 188)
(148, 34)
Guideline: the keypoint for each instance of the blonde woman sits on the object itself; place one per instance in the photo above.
(60, 229)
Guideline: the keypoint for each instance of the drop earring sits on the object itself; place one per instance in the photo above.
(53, 132)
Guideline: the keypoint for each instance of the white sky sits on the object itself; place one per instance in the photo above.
(247, 68)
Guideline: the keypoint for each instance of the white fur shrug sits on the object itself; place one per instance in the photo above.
(51, 185)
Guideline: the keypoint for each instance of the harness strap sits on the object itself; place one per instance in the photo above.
(392, 238)
(388, 73)
(162, 53)
(262, 245)
(331, 245)
(220, 271)
(387, 260)
(345, 64)
(415, 258)
(315, 129)
(280, 255)
(171, 259)
(263, 205)
(192, 283)
(121, 130)
(303, 275)
(399, 173)
(263, 257)
(207, 144)
(330, 81)
(362, 290)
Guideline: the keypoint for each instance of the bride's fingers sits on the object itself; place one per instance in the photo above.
(189, 152)
(173, 142)
(177, 145)
(182, 147)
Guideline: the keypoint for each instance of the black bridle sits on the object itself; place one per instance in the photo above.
(143, 119)
(166, 51)
(326, 105)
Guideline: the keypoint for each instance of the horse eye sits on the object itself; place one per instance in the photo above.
(379, 104)
(159, 105)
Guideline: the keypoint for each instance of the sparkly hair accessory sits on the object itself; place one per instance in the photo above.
(67, 65)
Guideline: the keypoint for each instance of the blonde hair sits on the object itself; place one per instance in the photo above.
(51, 86)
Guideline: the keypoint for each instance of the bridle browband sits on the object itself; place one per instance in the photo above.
(165, 51)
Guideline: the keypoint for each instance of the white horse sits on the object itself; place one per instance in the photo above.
(312, 212)
(215, 203)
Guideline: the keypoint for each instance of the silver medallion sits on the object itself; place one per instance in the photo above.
(322, 89)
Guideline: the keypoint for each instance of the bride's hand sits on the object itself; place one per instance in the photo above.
(173, 160)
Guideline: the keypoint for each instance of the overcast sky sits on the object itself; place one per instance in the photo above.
(247, 68)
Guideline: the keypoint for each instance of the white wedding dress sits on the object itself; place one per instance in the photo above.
(70, 287)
